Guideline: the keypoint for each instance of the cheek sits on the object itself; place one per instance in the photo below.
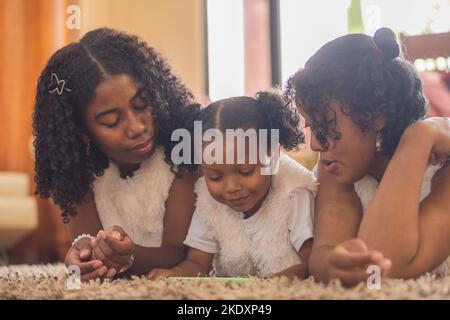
(259, 184)
(108, 140)
(215, 190)
(148, 118)
(358, 155)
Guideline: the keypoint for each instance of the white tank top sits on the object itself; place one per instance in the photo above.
(367, 186)
(137, 203)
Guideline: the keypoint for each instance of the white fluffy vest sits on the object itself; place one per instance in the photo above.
(137, 203)
(269, 249)
(367, 186)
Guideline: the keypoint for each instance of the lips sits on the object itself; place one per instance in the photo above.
(330, 165)
(143, 147)
(237, 201)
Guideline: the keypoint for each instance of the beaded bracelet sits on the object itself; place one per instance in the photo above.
(81, 236)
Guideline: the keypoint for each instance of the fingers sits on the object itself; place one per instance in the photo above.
(341, 258)
(99, 254)
(111, 273)
(151, 275)
(348, 277)
(85, 248)
(86, 267)
(100, 272)
(123, 247)
(112, 255)
(158, 273)
(73, 258)
(117, 230)
(127, 267)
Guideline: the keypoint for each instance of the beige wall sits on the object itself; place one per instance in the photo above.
(173, 27)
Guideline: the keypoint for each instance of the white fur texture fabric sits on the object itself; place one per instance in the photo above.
(269, 250)
(137, 203)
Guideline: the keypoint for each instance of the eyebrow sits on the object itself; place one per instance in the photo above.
(115, 109)
(210, 169)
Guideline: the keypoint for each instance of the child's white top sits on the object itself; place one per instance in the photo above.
(367, 186)
(137, 203)
(268, 241)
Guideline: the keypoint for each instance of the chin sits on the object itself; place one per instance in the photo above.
(342, 178)
(242, 208)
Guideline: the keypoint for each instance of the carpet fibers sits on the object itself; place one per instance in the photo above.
(51, 282)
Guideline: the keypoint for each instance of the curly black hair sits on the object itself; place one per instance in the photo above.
(64, 169)
(368, 77)
(268, 110)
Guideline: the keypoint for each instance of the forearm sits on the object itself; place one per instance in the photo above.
(190, 268)
(318, 263)
(296, 271)
(146, 259)
(395, 206)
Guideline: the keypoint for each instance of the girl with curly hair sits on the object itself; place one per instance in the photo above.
(379, 202)
(105, 110)
(249, 221)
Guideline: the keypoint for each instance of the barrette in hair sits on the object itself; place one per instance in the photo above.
(57, 85)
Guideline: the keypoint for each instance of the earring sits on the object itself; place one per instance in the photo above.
(379, 141)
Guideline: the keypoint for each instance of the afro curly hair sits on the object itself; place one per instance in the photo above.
(368, 77)
(64, 169)
(268, 110)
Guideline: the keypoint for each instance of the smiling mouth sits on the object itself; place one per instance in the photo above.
(238, 200)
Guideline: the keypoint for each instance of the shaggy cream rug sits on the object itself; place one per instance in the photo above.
(50, 282)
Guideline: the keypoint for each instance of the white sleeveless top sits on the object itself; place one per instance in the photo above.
(137, 203)
(268, 248)
(367, 186)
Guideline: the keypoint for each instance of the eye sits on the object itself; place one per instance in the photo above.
(247, 172)
(214, 178)
(141, 108)
(112, 125)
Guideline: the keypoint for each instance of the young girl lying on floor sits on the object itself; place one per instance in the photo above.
(247, 222)
(379, 201)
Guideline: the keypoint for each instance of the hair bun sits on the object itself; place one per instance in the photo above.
(386, 40)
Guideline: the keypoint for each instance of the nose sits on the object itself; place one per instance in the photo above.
(315, 144)
(232, 186)
(136, 126)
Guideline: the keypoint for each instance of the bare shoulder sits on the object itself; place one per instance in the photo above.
(182, 191)
(185, 181)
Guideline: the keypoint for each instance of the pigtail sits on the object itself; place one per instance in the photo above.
(282, 116)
